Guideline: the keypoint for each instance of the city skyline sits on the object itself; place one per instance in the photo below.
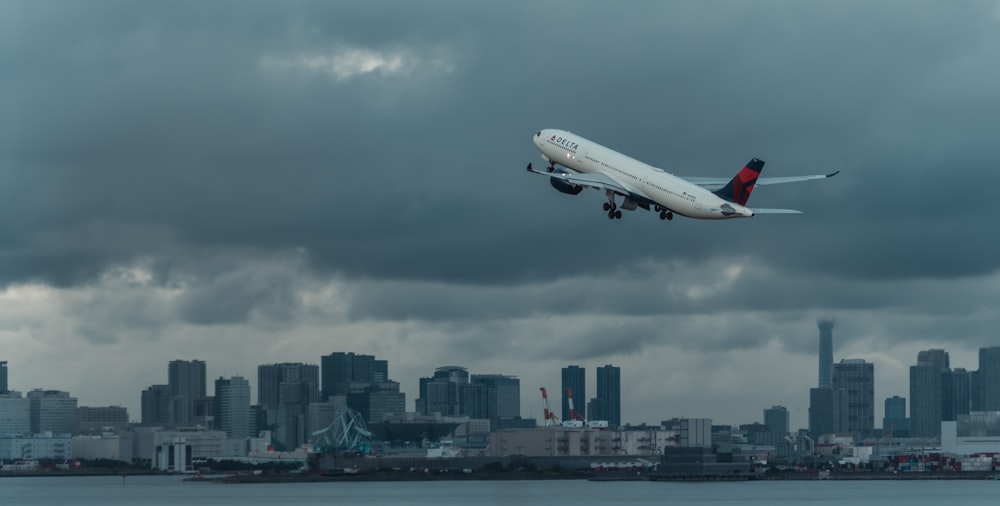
(871, 417)
(270, 182)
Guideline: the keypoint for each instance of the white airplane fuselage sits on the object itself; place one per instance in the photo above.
(646, 184)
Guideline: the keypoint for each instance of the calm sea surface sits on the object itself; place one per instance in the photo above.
(162, 490)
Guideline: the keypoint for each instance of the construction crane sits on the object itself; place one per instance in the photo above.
(550, 417)
(573, 414)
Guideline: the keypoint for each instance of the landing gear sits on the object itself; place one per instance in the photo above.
(550, 168)
(611, 207)
(666, 215)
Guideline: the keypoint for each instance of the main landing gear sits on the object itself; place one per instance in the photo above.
(612, 208)
(664, 214)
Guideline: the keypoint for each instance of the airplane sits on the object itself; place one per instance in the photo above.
(576, 163)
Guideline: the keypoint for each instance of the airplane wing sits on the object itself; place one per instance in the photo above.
(592, 180)
(715, 183)
(761, 210)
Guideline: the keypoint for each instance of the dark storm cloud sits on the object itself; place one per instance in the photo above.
(174, 131)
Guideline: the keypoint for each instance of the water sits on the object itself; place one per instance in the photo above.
(167, 490)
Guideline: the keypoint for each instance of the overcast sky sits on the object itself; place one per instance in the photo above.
(258, 182)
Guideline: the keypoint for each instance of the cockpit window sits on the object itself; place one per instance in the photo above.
(538, 134)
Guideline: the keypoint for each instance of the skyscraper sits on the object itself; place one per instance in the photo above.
(776, 419)
(232, 407)
(955, 394)
(856, 379)
(186, 381)
(284, 392)
(608, 403)
(927, 393)
(503, 396)
(3, 377)
(574, 378)
(988, 378)
(442, 392)
(156, 405)
(15, 414)
(340, 370)
(825, 353)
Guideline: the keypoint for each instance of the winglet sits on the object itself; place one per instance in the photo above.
(833, 174)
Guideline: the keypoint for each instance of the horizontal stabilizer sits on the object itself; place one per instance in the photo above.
(774, 211)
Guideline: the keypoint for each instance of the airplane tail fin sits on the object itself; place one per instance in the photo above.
(738, 189)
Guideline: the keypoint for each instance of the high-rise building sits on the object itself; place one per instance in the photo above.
(378, 401)
(186, 380)
(442, 392)
(776, 419)
(342, 370)
(608, 403)
(856, 378)
(955, 394)
(156, 405)
(3, 377)
(503, 396)
(827, 411)
(232, 407)
(284, 392)
(927, 393)
(574, 378)
(52, 411)
(15, 414)
(895, 422)
(825, 353)
(988, 378)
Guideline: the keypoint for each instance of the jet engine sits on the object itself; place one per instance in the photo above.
(564, 187)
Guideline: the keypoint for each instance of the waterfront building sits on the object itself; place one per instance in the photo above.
(574, 378)
(97, 419)
(855, 378)
(825, 353)
(608, 403)
(36, 447)
(232, 407)
(3, 377)
(15, 414)
(776, 420)
(988, 378)
(502, 395)
(156, 405)
(927, 393)
(52, 411)
(186, 381)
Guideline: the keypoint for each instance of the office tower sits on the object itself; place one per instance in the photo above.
(3, 377)
(15, 414)
(377, 401)
(284, 392)
(574, 378)
(776, 419)
(342, 370)
(988, 378)
(156, 405)
(927, 393)
(186, 380)
(232, 407)
(441, 393)
(955, 394)
(856, 379)
(827, 411)
(825, 353)
(608, 403)
(503, 396)
(895, 422)
(52, 411)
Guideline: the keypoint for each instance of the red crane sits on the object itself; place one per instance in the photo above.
(550, 417)
(573, 415)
